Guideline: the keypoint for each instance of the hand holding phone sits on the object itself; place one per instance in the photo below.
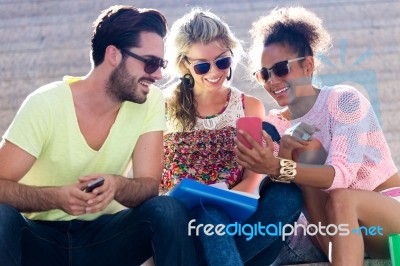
(301, 131)
(94, 184)
(252, 125)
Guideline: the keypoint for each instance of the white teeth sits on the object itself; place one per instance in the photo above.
(281, 90)
(213, 80)
(145, 83)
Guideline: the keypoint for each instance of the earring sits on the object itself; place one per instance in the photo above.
(229, 75)
(187, 81)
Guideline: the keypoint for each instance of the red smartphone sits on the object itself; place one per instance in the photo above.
(252, 125)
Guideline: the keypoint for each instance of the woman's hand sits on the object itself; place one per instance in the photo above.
(289, 147)
(296, 139)
(289, 144)
(259, 158)
(301, 131)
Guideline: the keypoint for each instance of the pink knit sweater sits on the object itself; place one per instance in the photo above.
(350, 133)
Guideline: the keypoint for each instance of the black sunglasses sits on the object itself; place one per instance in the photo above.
(150, 64)
(203, 67)
(280, 69)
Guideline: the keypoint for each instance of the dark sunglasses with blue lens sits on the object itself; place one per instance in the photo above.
(150, 64)
(202, 68)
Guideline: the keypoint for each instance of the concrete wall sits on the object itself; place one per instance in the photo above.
(42, 40)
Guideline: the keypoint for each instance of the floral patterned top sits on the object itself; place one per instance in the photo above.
(206, 153)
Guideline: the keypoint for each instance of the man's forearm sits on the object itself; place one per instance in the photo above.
(132, 192)
(27, 198)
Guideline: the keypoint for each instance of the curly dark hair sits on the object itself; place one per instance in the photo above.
(295, 27)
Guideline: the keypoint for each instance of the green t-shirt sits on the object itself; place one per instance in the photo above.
(46, 127)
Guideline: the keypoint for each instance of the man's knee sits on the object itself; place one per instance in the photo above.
(7, 213)
(10, 219)
(167, 209)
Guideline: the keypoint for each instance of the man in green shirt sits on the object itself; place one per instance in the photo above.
(71, 132)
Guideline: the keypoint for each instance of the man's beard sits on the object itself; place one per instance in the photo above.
(122, 86)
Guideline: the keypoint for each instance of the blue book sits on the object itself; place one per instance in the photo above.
(238, 205)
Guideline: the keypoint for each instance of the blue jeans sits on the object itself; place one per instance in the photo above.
(155, 228)
(278, 203)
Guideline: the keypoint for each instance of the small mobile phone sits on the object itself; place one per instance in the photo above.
(252, 125)
(94, 184)
(301, 131)
(272, 131)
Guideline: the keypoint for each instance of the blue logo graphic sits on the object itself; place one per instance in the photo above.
(368, 231)
(364, 81)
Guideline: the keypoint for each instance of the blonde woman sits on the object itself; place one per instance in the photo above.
(202, 109)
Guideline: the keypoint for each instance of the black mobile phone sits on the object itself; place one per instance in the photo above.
(272, 131)
(94, 184)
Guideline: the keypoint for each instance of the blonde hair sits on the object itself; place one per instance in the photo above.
(197, 26)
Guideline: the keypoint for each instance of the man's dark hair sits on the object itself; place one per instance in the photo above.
(121, 25)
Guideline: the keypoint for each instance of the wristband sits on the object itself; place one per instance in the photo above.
(287, 172)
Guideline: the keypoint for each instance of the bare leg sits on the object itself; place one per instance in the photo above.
(315, 207)
(362, 208)
(314, 199)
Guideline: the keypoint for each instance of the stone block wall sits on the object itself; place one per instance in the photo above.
(43, 40)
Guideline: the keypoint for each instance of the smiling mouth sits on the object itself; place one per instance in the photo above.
(214, 80)
(145, 83)
(281, 90)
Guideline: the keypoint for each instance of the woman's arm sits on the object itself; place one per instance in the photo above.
(251, 180)
(262, 160)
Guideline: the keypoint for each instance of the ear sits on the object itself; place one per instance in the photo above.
(308, 66)
(112, 55)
